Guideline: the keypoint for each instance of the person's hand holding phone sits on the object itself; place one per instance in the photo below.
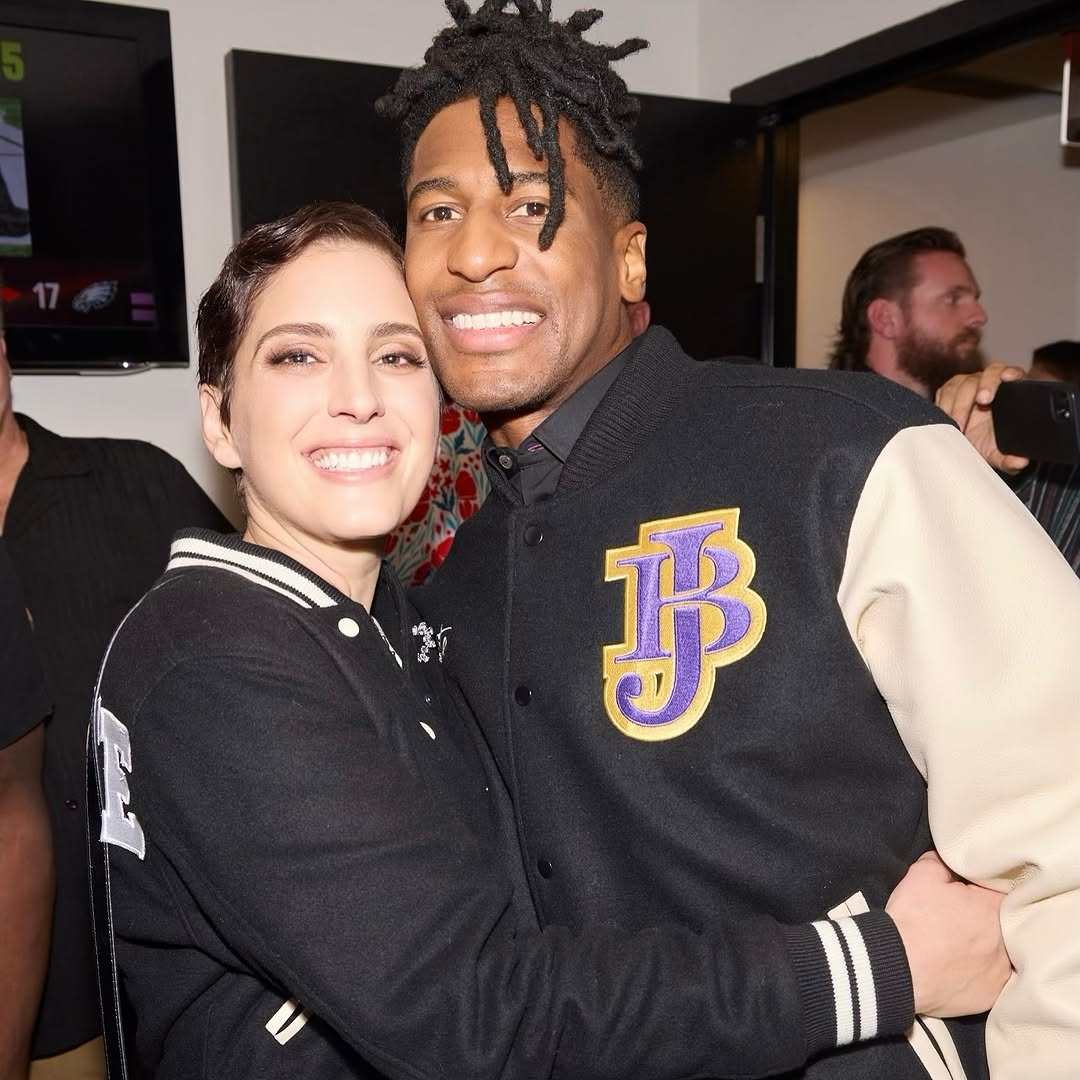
(967, 399)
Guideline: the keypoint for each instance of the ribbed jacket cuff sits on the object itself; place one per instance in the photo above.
(853, 978)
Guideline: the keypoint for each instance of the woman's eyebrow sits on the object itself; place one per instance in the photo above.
(394, 329)
(303, 329)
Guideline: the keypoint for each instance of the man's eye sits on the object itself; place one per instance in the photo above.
(532, 209)
(440, 213)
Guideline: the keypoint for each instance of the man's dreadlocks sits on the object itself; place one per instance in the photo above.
(535, 61)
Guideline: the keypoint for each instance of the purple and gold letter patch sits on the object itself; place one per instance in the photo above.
(689, 609)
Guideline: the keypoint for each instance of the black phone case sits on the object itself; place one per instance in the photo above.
(1038, 420)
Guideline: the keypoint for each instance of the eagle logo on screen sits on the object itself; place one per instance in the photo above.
(95, 297)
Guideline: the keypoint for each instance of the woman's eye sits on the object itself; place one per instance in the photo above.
(401, 360)
(532, 209)
(440, 213)
(292, 358)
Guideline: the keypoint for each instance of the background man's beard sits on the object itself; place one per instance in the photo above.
(933, 363)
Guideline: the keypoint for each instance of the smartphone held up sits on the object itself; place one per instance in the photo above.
(1038, 419)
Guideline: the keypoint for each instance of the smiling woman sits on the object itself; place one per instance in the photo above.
(316, 390)
(333, 416)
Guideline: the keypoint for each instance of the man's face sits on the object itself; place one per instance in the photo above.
(943, 321)
(513, 330)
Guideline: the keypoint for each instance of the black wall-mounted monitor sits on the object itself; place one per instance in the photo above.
(91, 252)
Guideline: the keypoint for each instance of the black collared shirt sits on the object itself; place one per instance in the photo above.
(22, 687)
(88, 529)
(535, 467)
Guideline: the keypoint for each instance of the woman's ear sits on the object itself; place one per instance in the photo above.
(215, 432)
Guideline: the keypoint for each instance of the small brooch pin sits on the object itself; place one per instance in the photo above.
(427, 643)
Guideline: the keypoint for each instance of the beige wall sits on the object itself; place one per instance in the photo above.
(699, 48)
(991, 171)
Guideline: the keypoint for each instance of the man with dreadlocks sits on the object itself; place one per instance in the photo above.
(720, 624)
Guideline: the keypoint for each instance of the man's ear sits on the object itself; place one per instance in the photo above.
(215, 433)
(884, 318)
(630, 246)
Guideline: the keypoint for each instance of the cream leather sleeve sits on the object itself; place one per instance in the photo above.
(969, 621)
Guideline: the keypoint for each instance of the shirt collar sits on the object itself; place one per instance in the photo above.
(50, 454)
(564, 426)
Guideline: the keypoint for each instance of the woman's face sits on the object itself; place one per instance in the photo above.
(334, 407)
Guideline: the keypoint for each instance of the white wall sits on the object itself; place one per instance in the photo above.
(990, 170)
(699, 48)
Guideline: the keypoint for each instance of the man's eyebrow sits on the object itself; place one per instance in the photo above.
(448, 185)
(433, 183)
(529, 177)
(539, 178)
(962, 290)
(303, 329)
(394, 329)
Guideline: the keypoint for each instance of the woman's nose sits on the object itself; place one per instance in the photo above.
(354, 392)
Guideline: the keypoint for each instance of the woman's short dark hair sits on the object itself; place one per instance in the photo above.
(225, 309)
(885, 270)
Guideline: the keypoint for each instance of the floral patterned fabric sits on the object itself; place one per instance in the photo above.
(455, 490)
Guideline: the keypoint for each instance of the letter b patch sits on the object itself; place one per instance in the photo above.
(688, 611)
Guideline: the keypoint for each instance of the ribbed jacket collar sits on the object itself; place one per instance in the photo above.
(638, 403)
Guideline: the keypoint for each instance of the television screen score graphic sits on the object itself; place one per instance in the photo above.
(89, 231)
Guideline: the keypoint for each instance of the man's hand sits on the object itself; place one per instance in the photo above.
(952, 935)
(966, 398)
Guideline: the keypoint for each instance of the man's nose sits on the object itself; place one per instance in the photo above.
(482, 246)
(978, 316)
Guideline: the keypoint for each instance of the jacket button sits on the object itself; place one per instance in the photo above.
(71, 804)
(533, 535)
(523, 695)
(544, 868)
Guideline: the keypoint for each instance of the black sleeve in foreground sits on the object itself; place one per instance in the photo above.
(24, 701)
(338, 875)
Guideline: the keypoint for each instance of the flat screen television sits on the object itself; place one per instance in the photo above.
(91, 253)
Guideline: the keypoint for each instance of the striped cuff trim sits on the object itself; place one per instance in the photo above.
(854, 996)
(854, 980)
